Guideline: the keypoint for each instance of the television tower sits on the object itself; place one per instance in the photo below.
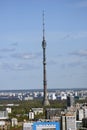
(45, 99)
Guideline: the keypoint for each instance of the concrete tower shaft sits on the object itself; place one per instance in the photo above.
(45, 99)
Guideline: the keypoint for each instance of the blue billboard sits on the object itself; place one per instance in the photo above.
(46, 126)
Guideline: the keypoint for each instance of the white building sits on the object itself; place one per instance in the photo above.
(70, 123)
(3, 115)
(51, 96)
(37, 110)
(2, 123)
(28, 98)
(85, 113)
(27, 126)
(63, 95)
(31, 115)
(80, 114)
(14, 122)
(8, 110)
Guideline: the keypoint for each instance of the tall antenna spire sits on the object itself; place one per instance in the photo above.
(43, 27)
(44, 42)
(45, 98)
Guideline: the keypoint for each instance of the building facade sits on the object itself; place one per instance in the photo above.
(70, 101)
(68, 122)
(42, 126)
(3, 115)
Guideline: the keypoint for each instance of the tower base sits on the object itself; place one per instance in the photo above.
(46, 102)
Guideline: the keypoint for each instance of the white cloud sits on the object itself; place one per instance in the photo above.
(75, 35)
(80, 53)
(17, 66)
(25, 55)
(74, 64)
(67, 35)
(7, 50)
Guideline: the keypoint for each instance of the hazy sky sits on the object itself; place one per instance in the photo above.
(21, 43)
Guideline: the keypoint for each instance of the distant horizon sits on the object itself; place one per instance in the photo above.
(47, 89)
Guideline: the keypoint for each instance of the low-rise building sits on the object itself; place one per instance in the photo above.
(37, 110)
(3, 115)
(53, 113)
(41, 126)
(14, 122)
(8, 109)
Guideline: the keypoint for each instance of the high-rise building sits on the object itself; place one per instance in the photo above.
(63, 123)
(85, 112)
(70, 101)
(68, 122)
(80, 114)
(45, 99)
(84, 122)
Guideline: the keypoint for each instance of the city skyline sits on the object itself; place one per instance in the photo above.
(21, 44)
